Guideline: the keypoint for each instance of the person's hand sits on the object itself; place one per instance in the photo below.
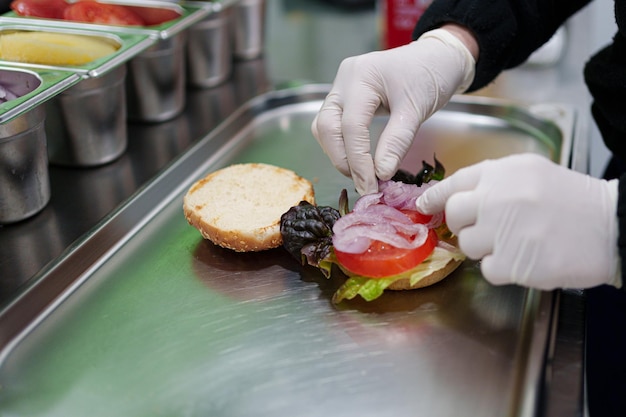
(532, 222)
(411, 82)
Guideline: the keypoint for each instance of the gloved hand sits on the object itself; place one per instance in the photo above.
(411, 82)
(532, 222)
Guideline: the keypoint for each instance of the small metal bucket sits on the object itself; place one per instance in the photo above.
(209, 50)
(155, 86)
(248, 28)
(24, 179)
(86, 124)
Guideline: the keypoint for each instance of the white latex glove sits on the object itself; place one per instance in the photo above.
(532, 222)
(411, 82)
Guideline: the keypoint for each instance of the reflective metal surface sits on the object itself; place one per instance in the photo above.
(156, 81)
(248, 28)
(129, 46)
(189, 13)
(209, 50)
(215, 332)
(33, 87)
(305, 41)
(24, 180)
(86, 124)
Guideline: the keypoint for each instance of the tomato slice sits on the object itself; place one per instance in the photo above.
(46, 9)
(417, 217)
(152, 16)
(383, 260)
(109, 14)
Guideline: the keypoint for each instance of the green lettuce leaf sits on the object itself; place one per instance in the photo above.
(372, 288)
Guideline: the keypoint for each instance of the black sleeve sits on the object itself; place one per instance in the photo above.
(507, 31)
(605, 76)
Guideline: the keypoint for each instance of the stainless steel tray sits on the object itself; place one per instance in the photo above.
(130, 45)
(144, 318)
(50, 83)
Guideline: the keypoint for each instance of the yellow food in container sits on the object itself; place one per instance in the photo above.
(48, 48)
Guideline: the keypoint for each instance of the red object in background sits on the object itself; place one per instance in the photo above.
(109, 14)
(154, 16)
(399, 18)
(47, 9)
(91, 11)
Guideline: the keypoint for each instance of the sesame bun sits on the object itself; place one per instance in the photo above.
(239, 207)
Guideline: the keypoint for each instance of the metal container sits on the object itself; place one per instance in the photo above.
(248, 28)
(86, 124)
(190, 12)
(209, 50)
(155, 86)
(129, 45)
(24, 180)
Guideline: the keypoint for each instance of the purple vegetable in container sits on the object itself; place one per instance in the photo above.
(6, 94)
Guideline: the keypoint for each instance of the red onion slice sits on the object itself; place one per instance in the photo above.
(367, 200)
(400, 195)
(354, 232)
(378, 217)
(435, 221)
(358, 238)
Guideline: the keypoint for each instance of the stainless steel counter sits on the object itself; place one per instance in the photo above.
(81, 197)
(297, 51)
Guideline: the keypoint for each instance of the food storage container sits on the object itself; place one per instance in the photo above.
(156, 74)
(178, 18)
(248, 28)
(60, 48)
(156, 81)
(24, 180)
(209, 50)
(86, 124)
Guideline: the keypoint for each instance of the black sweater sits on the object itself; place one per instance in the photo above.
(509, 31)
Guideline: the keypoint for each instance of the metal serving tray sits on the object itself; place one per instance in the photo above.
(130, 46)
(190, 13)
(50, 83)
(143, 317)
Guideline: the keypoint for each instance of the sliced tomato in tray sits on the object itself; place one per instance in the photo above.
(109, 14)
(383, 260)
(46, 9)
(152, 16)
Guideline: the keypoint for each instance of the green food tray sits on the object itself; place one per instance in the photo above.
(190, 14)
(130, 45)
(52, 83)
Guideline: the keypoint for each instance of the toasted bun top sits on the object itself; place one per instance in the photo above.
(239, 207)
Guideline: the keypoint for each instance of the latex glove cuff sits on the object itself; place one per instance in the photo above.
(613, 229)
(450, 41)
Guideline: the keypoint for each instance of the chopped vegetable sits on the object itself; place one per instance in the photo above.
(47, 9)
(370, 289)
(109, 14)
(51, 48)
(383, 259)
(382, 240)
(426, 174)
(307, 232)
(92, 11)
(6, 94)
